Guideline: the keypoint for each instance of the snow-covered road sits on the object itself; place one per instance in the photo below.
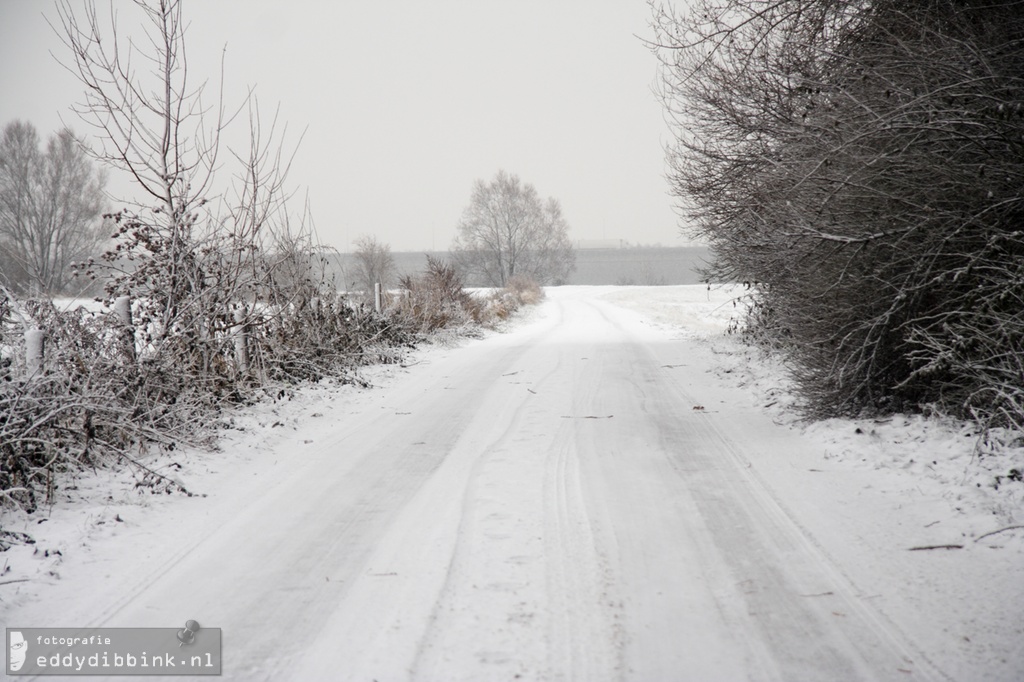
(566, 501)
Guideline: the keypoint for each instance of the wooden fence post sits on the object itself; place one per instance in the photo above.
(376, 296)
(35, 349)
(241, 346)
(123, 310)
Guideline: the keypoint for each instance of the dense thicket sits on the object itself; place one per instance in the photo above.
(102, 388)
(862, 162)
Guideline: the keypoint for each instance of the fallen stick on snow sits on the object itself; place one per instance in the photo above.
(915, 549)
(998, 531)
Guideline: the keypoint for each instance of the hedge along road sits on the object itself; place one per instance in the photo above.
(551, 503)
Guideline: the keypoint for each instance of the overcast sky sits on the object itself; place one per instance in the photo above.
(405, 104)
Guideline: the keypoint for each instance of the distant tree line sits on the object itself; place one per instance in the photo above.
(862, 165)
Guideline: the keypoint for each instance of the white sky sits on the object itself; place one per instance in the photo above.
(406, 104)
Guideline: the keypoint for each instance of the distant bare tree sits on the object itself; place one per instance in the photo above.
(50, 208)
(374, 263)
(507, 230)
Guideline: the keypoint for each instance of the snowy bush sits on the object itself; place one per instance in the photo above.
(85, 404)
(105, 390)
(863, 165)
(435, 299)
(525, 290)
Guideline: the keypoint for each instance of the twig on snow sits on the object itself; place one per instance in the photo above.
(150, 471)
(998, 531)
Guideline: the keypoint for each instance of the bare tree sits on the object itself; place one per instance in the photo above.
(50, 208)
(375, 265)
(196, 248)
(508, 231)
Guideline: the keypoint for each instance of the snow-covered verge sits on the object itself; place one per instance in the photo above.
(910, 498)
(978, 476)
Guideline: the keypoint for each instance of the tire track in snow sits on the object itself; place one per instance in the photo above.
(771, 559)
(522, 598)
(672, 622)
(585, 635)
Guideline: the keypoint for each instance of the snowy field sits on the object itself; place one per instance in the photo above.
(611, 489)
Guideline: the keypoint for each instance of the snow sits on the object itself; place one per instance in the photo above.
(612, 488)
